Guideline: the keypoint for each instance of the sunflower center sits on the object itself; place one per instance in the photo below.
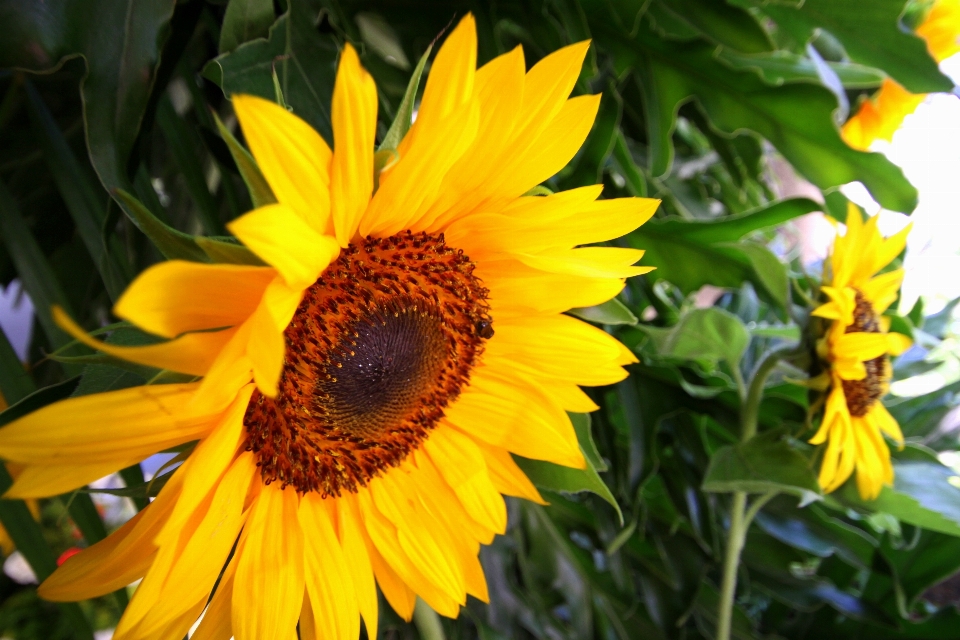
(378, 348)
(862, 394)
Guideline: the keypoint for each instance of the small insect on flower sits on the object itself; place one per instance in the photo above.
(355, 412)
(856, 349)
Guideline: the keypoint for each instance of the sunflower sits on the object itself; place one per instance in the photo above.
(358, 397)
(879, 117)
(857, 347)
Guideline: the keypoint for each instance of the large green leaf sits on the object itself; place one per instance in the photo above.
(85, 200)
(709, 335)
(120, 42)
(673, 73)
(778, 67)
(553, 477)
(721, 22)
(245, 20)
(692, 253)
(922, 495)
(764, 463)
(870, 33)
(302, 58)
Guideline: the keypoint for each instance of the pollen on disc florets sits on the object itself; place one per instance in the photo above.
(378, 348)
(862, 394)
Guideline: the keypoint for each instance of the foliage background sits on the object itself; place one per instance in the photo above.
(717, 107)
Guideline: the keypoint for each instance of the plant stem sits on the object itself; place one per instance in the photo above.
(739, 518)
(731, 560)
(427, 622)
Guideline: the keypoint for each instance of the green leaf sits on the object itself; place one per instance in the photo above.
(302, 58)
(404, 118)
(581, 424)
(228, 252)
(260, 192)
(692, 253)
(765, 463)
(553, 477)
(916, 567)
(870, 33)
(611, 312)
(592, 159)
(184, 144)
(171, 243)
(120, 68)
(245, 20)
(779, 67)
(81, 192)
(922, 495)
(724, 24)
(147, 489)
(672, 73)
(39, 280)
(767, 268)
(380, 36)
(708, 335)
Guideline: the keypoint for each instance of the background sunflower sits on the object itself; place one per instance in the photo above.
(119, 150)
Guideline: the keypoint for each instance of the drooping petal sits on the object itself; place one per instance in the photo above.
(293, 157)
(192, 353)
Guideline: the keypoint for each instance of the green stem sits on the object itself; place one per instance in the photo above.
(427, 622)
(740, 518)
(731, 560)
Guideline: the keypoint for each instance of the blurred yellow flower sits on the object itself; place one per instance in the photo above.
(856, 348)
(880, 116)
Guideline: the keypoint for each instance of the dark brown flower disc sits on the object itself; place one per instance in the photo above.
(861, 394)
(378, 348)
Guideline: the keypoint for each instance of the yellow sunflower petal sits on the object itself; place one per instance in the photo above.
(104, 427)
(425, 545)
(862, 346)
(462, 465)
(209, 461)
(283, 240)
(216, 623)
(357, 557)
(41, 481)
(117, 560)
(354, 116)
(268, 587)
(452, 75)
(176, 296)
(886, 422)
(333, 599)
(293, 157)
(588, 262)
(397, 574)
(200, 560)
(506, 475)
(516, 289)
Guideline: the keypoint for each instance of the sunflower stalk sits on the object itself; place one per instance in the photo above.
(740, 515)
